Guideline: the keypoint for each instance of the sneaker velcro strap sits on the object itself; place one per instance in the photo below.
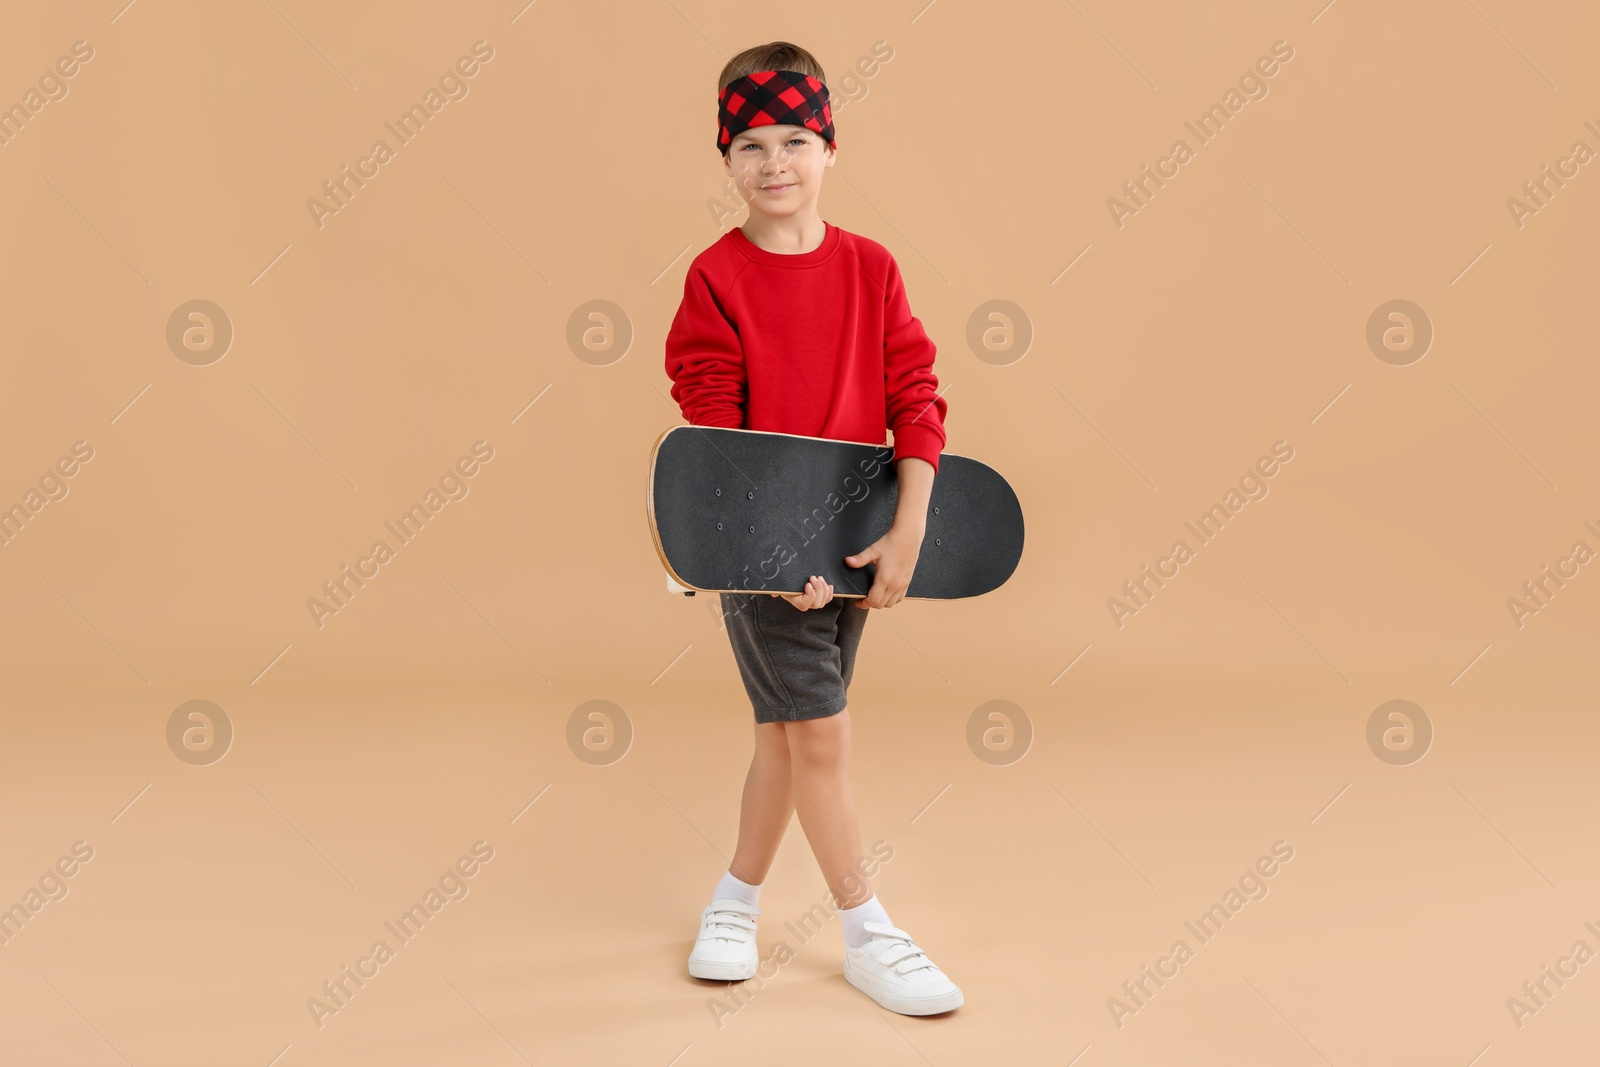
(730, 920)
(901, 953)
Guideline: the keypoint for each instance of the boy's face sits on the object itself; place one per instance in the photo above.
(778, 169)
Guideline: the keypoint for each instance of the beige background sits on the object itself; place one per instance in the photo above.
(434, 310)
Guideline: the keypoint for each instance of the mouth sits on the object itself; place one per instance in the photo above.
(776, 189)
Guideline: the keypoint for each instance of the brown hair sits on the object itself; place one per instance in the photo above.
(778, 55)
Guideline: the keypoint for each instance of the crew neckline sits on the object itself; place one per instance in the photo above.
(819, 254)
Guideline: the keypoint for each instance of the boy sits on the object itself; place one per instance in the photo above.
(790, 324)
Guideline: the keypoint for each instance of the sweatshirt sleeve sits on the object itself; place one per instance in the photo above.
(705, 359)
(915, 410)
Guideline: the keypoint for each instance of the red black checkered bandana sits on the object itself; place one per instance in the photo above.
(773, 98)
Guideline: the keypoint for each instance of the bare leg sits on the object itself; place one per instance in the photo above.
(819, 755)
(767, 806)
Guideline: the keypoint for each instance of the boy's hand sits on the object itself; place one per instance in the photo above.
(816, 594)
(896, 554)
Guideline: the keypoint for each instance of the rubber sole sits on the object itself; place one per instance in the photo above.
(722, 972)
(911, 1005)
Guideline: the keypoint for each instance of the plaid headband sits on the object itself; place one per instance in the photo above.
(773, 98)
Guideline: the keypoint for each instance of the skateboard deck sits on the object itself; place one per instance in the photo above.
(748, 511)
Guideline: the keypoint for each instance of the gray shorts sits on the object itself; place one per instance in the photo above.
(795, 664)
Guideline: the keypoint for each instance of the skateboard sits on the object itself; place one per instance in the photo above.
(749, 511)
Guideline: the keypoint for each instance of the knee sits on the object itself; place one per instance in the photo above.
(818, 743)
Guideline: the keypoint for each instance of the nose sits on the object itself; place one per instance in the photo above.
(776, 158)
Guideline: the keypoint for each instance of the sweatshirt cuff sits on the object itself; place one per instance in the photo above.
(919, 441)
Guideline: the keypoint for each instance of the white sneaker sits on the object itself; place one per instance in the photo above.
(726, 947)
(895, 972)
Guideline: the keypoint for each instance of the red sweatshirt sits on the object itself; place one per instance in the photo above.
(821, 344)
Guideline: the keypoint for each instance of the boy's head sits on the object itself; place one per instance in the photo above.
(776, 166)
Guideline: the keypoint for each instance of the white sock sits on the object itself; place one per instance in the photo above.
(731, 888)
(855, 934)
